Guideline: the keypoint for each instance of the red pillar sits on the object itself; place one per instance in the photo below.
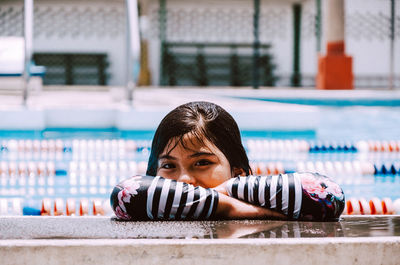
(335, 67)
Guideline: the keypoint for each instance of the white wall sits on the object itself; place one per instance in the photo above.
(367, 36)
(99, 26)
(72, 26)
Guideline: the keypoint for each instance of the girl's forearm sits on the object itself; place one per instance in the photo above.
(304, 196)
(231, 208)
(156, 198)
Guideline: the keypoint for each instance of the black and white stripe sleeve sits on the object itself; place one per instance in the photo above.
(303, 196)
(157, 198)
(282, 193)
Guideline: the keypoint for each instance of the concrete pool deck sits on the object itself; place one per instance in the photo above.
(101, 240)
(104, 107)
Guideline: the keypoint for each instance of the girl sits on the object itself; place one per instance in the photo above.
(198, 169)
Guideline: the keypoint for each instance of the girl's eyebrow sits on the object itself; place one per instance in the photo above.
(167, 157)
(197, 154)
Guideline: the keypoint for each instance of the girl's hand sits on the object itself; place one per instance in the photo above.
(231, 208)
(222, 188)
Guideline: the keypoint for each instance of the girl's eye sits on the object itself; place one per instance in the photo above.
(203, 163)
(168, 166)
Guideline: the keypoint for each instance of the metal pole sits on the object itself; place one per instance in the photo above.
(296, 76)
(256, 44)
(392, 36)
(318, 25)
(133, 47)
(28, 43)
(162, 20)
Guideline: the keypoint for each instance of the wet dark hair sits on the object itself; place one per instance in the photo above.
(204, 121)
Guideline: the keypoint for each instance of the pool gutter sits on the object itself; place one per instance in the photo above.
(381, 250)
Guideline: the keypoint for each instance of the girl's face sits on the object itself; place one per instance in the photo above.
(196, 163)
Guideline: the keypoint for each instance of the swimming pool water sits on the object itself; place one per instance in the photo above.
(79, 169)
(114, 133)
(76, 164)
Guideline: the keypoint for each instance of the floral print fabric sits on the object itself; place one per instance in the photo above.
(323, 199)
(127, 189)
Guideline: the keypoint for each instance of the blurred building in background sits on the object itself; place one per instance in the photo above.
(187, 42)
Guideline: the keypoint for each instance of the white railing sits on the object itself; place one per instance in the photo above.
(28, 43)
(133, 48)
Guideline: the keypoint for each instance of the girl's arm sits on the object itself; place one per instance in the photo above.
(305, 196)
(231, 208)
(156, 198)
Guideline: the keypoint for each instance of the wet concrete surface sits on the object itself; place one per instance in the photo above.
(109, 228)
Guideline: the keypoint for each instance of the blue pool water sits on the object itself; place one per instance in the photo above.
(87, 172)
(333, 102)
(379, 183)
(114, 133)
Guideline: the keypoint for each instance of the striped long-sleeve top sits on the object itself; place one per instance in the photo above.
(304, 196)
(282, 193)
(157, 198)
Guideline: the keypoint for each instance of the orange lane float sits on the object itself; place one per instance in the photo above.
(262, 169)
(98, 207)
(353, 207)
(58, 207)
(374, 206)
(84, 207)
(364, 207)
(46, 207)
(387, 206)
(70, 207)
